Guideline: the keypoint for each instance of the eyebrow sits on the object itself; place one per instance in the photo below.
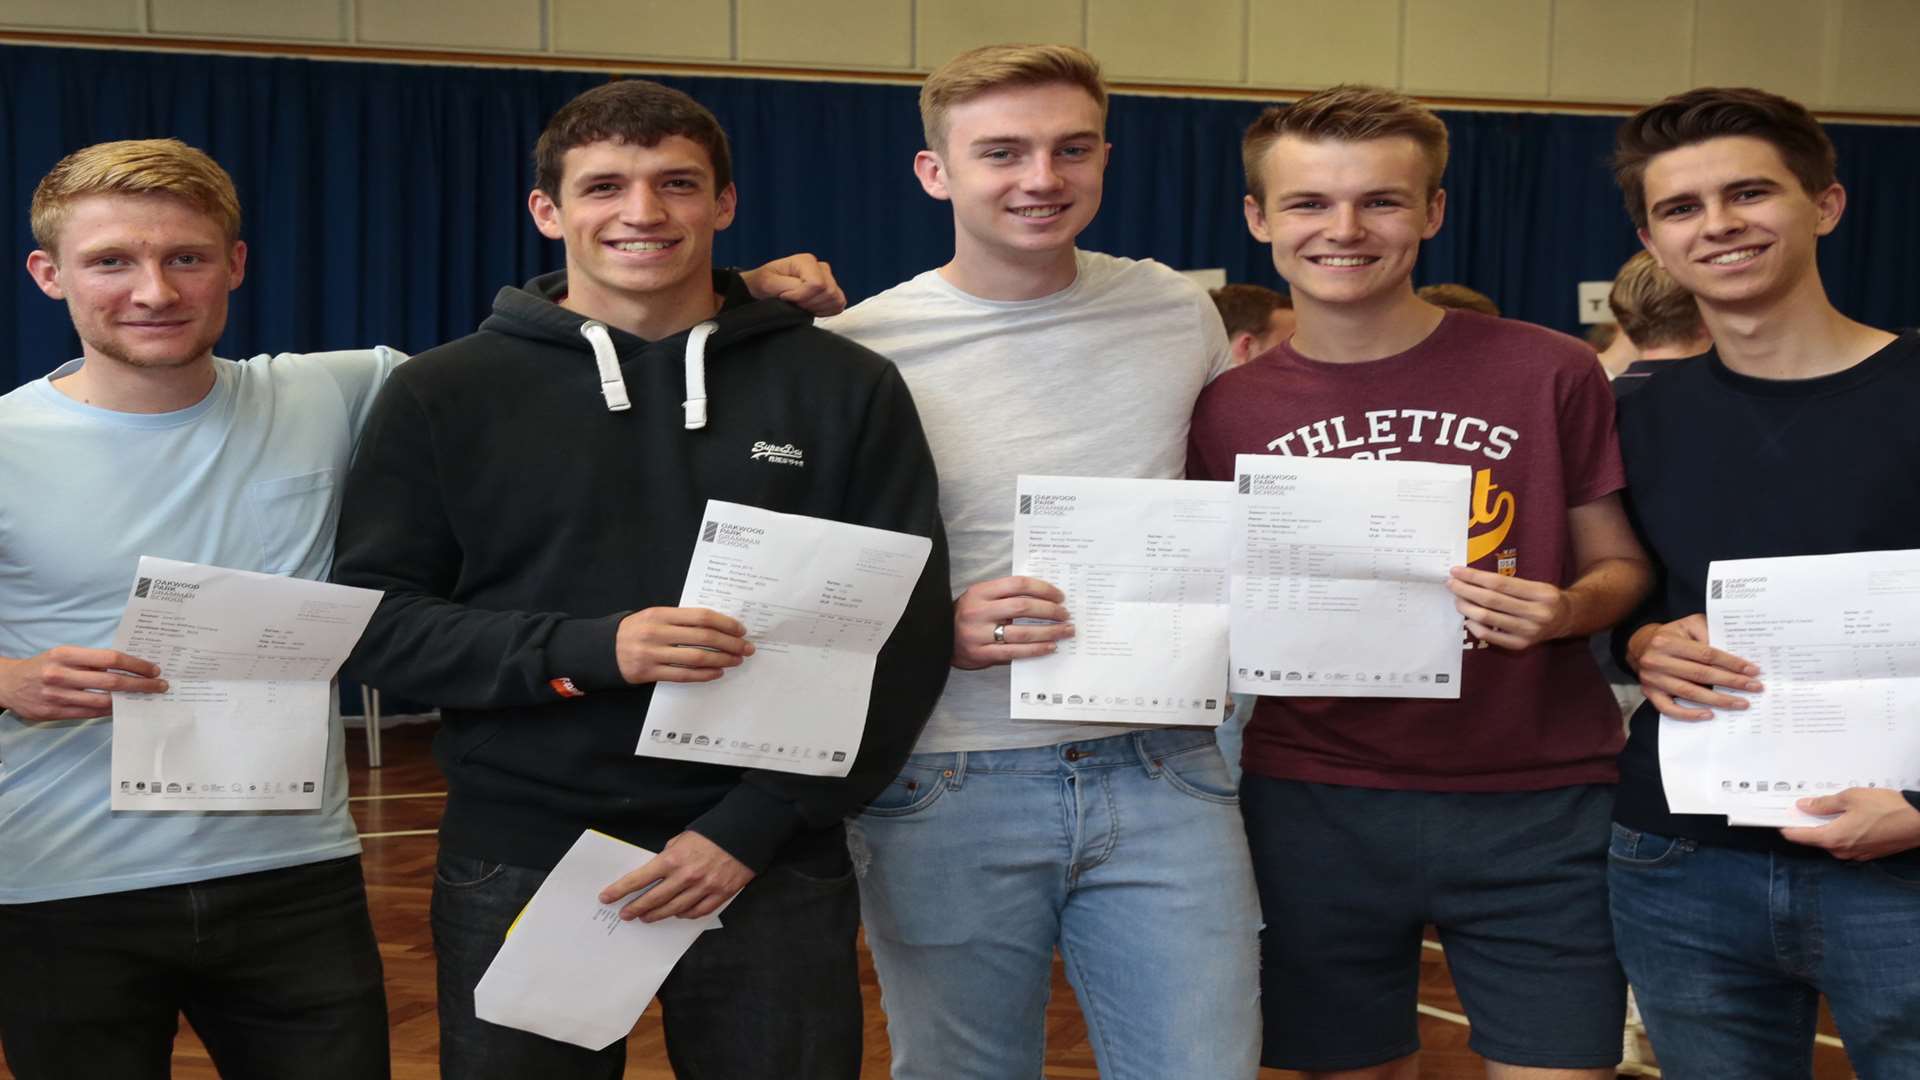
(590, 179)
(1731, 185)
(1022, 140)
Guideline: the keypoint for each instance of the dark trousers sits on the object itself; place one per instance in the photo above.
(277, 972)
(772, 995)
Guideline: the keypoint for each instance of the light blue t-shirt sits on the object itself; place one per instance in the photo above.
(248, 478)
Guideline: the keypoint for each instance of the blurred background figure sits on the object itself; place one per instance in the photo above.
(1659, 320)
(1458, 296)
(1257, 318)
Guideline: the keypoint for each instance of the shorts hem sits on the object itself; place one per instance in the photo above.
(1544, 1059)
(1340, 1063)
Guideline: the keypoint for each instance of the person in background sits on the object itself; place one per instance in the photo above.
(1658, 318)
(1257, 318)
(1460, 297)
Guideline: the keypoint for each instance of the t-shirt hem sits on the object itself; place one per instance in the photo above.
(178, 875)
(1535, 779)
(1061, 734)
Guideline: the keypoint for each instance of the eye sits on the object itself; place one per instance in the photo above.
(682, 183)
(998, 155)
(1749, 194)
(1306, 204)
(604, 187)
(1377, 204)
(1075, 151)
(189, 259)
(1679, 210)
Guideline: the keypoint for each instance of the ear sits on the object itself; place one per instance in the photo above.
(546, 214)
(1256, 219)
(1241, 347)
(1831, 203)
(932, 173)
(236, 265)
(1646, 241)
(726, 204)
(1436, 214)
(46, 274)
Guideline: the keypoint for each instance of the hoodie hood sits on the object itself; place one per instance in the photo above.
(533, 313)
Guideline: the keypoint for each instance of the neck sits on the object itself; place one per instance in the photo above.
(117, 386)
(1000, 277)
(1800, 336)
(649, 316)
(1357, 333)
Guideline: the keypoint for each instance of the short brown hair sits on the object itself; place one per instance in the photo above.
(632, 111)
(1349, 113)
(1651, 308)
(1459, 296)
(1248, 309)
(134, 167)
(995, 67)
(1712, 113)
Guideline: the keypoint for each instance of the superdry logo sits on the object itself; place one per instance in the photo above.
(784, 454)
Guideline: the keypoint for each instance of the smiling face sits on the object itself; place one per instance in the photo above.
(1023, 167)
(1731, 224)
(1345, 219)
(145, 278)
(638, 224)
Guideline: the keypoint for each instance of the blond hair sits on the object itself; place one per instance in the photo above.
(1651, 308)
(994, 67)
(1348, 113)
(134, 167)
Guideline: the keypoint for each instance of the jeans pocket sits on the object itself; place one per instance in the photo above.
(1630, 847)
(464, 871)
(913, 791)
(1201, 772)
(1903, 873)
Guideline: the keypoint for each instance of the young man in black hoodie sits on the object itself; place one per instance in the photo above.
(528, 497)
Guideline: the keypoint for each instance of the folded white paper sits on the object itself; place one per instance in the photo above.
(570, 969)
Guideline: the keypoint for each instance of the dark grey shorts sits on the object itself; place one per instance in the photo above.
(1516, 882)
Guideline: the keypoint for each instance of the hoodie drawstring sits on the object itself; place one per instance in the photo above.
(613, 386)
(696, 403)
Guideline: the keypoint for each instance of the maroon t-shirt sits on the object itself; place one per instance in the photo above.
(1530, 412)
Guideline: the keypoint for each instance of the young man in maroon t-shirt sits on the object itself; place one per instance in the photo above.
(1487, 816)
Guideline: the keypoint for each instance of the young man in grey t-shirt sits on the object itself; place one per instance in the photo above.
(1004, 838)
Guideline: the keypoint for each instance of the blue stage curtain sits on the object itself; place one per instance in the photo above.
(385, 203)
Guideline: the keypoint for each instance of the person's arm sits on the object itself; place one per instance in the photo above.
(1611, 576)
(893, 487)
(68, 682)
(395, 536)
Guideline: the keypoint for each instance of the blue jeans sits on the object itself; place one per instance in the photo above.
(1125, 852)
(774, 994)
(1729, 951)
(277, 971)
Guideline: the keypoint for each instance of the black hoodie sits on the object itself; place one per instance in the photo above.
(513, 519)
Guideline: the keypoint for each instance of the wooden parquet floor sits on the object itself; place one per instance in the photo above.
(397, 809)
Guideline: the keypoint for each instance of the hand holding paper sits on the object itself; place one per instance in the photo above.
(571, 968)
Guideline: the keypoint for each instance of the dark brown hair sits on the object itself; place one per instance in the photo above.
(631, 111)
(1716, 112)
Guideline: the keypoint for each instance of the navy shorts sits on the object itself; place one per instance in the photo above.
(1516, 883)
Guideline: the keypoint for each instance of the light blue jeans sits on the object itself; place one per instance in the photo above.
(1125, 852)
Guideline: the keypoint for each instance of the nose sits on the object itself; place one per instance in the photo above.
(1040, 176)
(153, 289)
(642, 206)
(1344, 224)
(1721, 219)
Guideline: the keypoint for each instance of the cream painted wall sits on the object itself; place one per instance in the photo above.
(1851, 55)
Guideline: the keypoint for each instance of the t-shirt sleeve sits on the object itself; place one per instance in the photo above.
(360, 373)
(1214, 333)
(1589, 442)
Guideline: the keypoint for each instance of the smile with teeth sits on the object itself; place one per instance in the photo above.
(1730, 258)
(1343, 260)
(642, 245)
(1039, 211)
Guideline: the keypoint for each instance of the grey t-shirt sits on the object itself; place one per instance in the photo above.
(1098, 379)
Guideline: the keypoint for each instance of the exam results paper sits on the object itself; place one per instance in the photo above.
(819, 598)
(249, 660)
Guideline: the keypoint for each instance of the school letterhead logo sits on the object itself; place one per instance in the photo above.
(781, 454)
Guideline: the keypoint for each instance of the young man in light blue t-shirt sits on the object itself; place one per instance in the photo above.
(254, 925)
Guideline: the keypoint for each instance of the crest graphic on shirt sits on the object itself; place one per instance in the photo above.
(1493, 512)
